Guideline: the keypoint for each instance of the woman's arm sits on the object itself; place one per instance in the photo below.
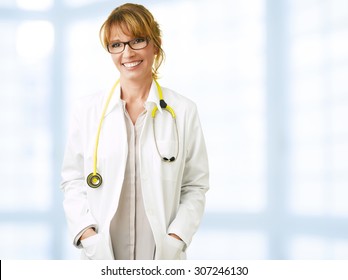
(195, 182)
(73, 181)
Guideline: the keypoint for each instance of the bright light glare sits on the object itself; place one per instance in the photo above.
(78, 3)
(35, 40)
(37, 5)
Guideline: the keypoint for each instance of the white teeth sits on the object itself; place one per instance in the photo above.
(131, 64)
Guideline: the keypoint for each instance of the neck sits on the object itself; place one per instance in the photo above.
(135, 91)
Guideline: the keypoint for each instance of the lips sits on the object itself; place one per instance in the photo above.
(132, 64)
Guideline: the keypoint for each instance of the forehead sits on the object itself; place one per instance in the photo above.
(121, 33)
(125, 32)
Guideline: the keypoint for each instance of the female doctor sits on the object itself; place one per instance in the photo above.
(135, 170)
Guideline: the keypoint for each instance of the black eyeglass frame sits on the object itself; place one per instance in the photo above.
(147, 40)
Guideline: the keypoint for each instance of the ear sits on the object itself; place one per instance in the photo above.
(156, 50)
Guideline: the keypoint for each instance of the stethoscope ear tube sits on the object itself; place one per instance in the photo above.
(169, 110)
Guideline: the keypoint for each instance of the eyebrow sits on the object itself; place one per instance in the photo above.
(116, 40)
(119, 41)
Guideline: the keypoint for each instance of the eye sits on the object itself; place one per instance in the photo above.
(139, 40)
(115, 45)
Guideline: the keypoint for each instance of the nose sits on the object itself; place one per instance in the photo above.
(128, 51)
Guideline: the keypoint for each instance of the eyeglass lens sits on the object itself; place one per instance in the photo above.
(136, 44)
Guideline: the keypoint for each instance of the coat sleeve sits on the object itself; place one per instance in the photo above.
(73, 182)
(195, 182)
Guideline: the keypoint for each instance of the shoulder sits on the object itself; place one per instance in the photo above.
(176, 99)
(89, 102)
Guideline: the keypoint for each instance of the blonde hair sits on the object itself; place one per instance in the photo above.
(139, 22)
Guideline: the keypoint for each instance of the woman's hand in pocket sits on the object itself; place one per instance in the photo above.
(172, 248)
(88, 233)
(96, 247)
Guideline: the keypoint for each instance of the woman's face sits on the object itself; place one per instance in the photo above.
(133, 64)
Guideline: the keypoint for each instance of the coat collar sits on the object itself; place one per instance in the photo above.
(116, 99)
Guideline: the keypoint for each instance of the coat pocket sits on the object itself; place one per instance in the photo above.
(172, 248)
(96, 247)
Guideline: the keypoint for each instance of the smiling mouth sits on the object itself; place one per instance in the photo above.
(132, 64)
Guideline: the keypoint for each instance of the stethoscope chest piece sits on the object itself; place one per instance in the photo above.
(94, 180)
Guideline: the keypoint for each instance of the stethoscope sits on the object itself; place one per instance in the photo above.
(94, 179)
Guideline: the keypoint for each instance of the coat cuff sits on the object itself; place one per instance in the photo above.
(76, 241)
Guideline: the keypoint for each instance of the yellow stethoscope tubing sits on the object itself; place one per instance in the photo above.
(94, 180)
(162, 103)
(99, 127)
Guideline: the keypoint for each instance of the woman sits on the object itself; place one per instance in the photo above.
(151, 157)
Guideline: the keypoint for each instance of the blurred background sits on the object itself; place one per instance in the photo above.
(270, 81)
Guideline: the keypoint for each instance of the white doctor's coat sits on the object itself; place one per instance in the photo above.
(173, 192)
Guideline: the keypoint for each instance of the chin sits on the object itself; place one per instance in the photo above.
(135, 76)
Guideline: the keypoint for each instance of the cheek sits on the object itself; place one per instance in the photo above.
(116, 60)
(151, 58)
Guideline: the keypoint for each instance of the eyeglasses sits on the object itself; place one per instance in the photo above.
(135, 44)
